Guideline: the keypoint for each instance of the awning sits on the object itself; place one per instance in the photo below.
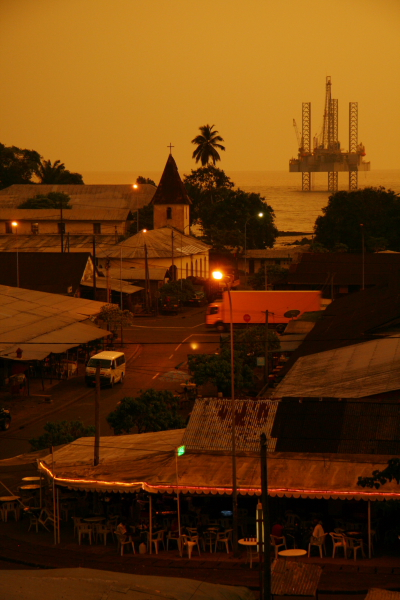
(113, 284)
(148, 462)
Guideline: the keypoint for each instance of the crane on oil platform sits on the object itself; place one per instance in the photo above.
(325, 153)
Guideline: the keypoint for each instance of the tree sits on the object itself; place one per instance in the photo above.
(50, 200)
(376, 209)
(61, 432)
(150, 411)
(182, 290)
(216, 368)
(47, 172)
(275, 275)
(379, 478)
(223, 211)
(207, 144)
(146, 214)
(141, 179)
(16, 165)
(115, 317)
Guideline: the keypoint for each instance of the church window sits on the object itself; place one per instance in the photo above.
(169, 212)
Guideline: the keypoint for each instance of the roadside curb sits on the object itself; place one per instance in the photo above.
(56, 409)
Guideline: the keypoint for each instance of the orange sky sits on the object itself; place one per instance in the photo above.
(106, 86)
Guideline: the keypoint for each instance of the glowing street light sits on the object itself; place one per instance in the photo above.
(15, 225)
(219, 276)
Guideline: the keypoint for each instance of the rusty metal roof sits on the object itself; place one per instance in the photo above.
(70, 214)
(51, 242)
(291, 578)
(379, 594)
(354, 371)
(210, 425)
(83, 196)
(171, 190)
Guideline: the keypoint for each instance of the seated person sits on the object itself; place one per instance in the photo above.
(277, 530)
(318, 530)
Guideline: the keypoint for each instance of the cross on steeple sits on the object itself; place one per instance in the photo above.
(170, 147)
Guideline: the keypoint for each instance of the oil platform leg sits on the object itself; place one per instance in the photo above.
(353, 180)
(333, 181)
(306, 181)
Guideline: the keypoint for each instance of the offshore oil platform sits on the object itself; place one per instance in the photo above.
(323, 153)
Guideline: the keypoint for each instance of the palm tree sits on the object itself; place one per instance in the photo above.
(47, 172)
(207, 144)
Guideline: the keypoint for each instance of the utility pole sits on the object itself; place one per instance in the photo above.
(266, 349)
(363, 256)
(97, 417)
(146, 272)
(94, 268)
(62, 227)
(264, 500)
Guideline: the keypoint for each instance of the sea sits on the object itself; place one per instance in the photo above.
(295, 211)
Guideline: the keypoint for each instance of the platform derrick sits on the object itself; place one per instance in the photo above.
(323, 153)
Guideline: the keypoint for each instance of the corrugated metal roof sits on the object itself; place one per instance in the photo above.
(338, 426)
(70, 214)
(113, 284)
(83, 196)
(210, 425)
(51, 243)
(379, 594)
(40, 323)
(147, 461)
(159, 245)
(283, 252)
(299, 326)
(352, 372)
(345, 268)
(138, 274)
(291, 578)
(53, 272)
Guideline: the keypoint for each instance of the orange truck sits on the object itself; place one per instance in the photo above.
(250, 306)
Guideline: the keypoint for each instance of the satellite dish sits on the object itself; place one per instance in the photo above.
(291, 314)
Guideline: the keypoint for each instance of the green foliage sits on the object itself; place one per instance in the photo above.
(223, 211)
(48, 172)
(216, 368)
(16, 165)
(50, 200)
(20, 166)
(150, 411)
(377, 209)
(145, 220)
(207, 144)
(379, 478)
(115, 317)
(182, 290)
(275, 275)
(61, 432)
(141, 179)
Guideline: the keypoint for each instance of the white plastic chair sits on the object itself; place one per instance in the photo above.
(85, 529)
(278, 542)
(103, 530)
(124, 540)
(319, 542)
(156, 539)
(338, 542)
(190, 543)
(353, 545)
(174, 537)
(224, 538)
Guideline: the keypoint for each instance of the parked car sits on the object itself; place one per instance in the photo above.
(5, 419)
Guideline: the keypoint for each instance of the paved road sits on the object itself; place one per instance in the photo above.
(153, 347)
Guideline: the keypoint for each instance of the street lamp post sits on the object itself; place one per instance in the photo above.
(260, 215)
(15, 224)
(220, 276)
(135, 187)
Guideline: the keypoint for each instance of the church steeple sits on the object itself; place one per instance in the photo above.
(171, 203)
